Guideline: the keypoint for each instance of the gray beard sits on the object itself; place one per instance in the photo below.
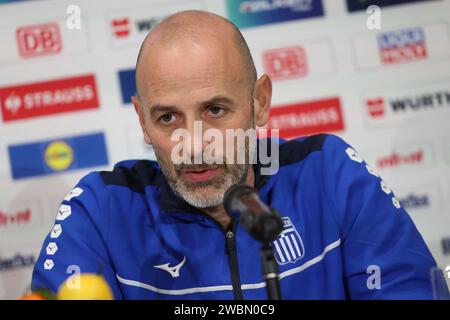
(221, 184)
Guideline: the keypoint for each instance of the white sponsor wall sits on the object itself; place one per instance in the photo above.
(386, 91)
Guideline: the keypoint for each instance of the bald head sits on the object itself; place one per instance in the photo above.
(195, 77)
(196, 28)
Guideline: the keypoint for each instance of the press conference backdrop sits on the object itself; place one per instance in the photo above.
(67, 74)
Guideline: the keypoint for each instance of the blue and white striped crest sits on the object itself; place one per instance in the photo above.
(288, 246)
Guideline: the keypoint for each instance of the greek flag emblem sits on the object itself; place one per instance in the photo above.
(288, 246)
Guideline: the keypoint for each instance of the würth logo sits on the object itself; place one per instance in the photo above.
(402, 45)
(307, 118)
(17, 218)
(431, 100)
(145, 25)
(397, 159)
(285, 63)
(375, 107)
(50, 97)
(39, 40)
(121, 27)
(407, 104)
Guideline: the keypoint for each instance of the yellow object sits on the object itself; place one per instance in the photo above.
(85, 286)
(58, 155)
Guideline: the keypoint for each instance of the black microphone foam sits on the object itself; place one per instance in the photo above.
(242, 203)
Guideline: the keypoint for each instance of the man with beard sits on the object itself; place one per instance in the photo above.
(159, 229)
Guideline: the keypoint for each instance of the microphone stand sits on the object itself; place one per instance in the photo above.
(266, 230)
(263, 223)
(270, 272)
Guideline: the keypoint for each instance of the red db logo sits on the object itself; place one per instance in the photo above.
(38, 40)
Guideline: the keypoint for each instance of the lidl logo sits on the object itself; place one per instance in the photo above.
(58, 155)
(250, 13)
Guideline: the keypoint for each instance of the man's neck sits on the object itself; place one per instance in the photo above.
(219, 214)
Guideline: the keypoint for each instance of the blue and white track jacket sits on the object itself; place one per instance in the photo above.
(345, 234)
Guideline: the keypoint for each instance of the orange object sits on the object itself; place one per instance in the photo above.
(32, 296)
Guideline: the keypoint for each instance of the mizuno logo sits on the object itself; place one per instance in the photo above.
(174, 271)
(73, 193)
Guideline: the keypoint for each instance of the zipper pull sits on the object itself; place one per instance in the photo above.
(230, 241)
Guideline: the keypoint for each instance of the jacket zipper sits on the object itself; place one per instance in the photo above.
(230, 239)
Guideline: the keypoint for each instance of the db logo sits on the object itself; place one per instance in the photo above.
(285, 63)
(38, 40)
(375, 107)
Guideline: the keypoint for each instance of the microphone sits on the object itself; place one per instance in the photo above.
(242, 203)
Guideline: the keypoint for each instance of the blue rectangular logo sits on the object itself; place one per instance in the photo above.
(359, 5)
(127, 84)
(402, 45)
(401, 38)
(251, 13)
(57, 155)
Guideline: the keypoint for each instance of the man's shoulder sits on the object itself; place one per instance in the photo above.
(133, 175)
(297, 150)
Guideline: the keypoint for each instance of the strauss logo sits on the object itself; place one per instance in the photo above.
(13, 103)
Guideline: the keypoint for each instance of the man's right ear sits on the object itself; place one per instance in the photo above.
(140, 112)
